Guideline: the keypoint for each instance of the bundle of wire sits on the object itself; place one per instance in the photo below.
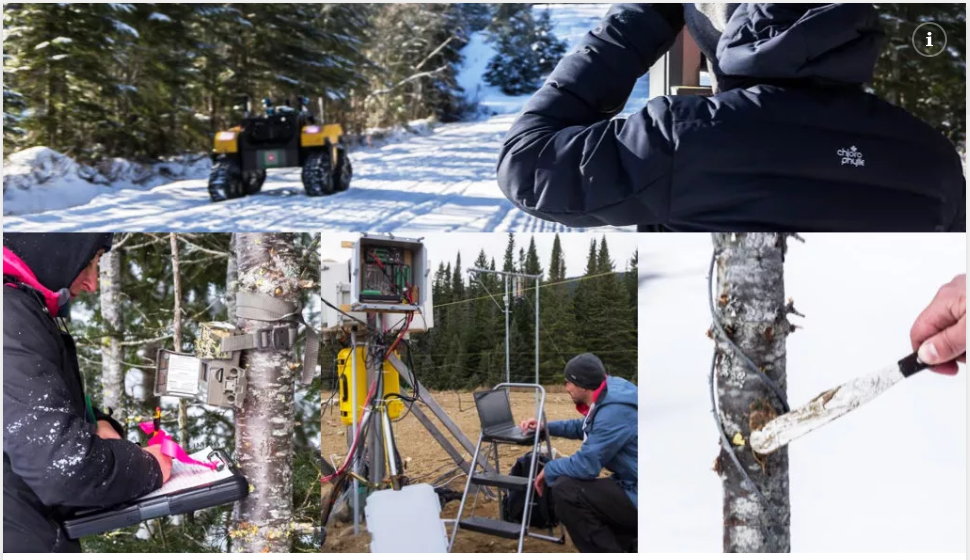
(355, 447)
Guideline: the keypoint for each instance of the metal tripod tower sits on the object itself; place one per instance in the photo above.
(507, 276)
(382, 431)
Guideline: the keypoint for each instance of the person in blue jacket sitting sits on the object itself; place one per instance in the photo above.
(600, 514)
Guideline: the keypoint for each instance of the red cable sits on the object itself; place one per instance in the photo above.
(370, 395)
(373, 388)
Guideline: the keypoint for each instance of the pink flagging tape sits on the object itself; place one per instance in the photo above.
(170, 448)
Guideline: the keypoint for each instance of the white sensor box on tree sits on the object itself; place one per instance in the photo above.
(386, 275)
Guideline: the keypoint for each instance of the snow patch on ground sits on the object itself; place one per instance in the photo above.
(40, 179)
(374, 137)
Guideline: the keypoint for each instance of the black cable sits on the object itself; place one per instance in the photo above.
(338, 310)
(383, 268)
(722, 334)
(725, 441)
(415, 397)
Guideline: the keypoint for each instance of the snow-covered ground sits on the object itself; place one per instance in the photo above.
(442, 181)
(40, 179)
(889, 477)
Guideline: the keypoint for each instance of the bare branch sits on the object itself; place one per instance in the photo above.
(440, 48)
(145, 341)
(406, 81)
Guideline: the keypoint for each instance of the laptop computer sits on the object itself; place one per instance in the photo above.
(495, 414)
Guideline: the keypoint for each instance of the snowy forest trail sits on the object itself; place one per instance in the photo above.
(443, 181)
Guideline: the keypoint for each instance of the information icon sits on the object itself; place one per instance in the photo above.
(929, 39)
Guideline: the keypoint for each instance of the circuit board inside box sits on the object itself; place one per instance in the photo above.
(387, 274)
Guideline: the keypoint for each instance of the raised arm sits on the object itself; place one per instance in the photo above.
(566, 159)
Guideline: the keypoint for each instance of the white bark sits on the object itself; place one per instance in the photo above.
(264, 424)
(183, 415)
(751, 303)
(232, 280)
(823, 409)
(112, 352)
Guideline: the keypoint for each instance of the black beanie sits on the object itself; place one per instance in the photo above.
(586, 371)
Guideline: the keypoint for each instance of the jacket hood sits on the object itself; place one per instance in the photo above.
(822, 44)
(619, 391)
(56, 259)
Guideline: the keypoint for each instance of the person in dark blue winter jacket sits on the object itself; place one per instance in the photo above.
(60, 453)
(790, 141)
(599, 513)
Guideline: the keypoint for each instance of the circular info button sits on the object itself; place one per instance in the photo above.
(929, 39)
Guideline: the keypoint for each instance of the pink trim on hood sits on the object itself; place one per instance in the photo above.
(14, 267)
(584, 408)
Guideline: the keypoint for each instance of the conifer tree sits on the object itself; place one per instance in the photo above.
(526, 49)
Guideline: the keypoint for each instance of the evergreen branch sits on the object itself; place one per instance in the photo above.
(185, 239)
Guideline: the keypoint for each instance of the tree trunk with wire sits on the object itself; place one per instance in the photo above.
(183, 410)
(112, 353)
(232, 280)
(750, 302)
(267, 264)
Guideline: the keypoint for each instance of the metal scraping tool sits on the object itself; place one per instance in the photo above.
(832, 404)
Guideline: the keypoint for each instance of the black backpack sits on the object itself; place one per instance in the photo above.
(513, 504)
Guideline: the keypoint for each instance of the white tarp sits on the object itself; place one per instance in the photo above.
(406, 520)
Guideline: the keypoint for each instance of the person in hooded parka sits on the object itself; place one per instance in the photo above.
(60, 454)
(791, 140)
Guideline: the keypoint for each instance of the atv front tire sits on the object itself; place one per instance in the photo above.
(344, 172)
(225, 181)
(318, 174)
(253, 181)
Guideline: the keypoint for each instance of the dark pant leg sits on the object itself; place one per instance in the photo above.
(597, 513)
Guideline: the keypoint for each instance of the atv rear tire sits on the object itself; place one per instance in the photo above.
(253, 181)
(225, 181)
(344, 172)
(318, 174)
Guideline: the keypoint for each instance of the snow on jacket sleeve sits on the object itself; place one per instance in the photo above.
(611, 431)
(569, 429)
(566, 160)
(52, 447)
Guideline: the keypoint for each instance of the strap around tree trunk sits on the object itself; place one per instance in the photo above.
(261, 307)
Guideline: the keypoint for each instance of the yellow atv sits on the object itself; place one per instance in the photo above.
(280, 138)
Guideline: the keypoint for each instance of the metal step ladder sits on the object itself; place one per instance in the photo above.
(479, 478)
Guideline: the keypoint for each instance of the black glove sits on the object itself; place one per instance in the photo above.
(106, 416)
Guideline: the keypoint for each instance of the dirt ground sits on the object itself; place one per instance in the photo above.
(425, 461)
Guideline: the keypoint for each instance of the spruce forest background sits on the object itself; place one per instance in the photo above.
(589, 311)
(593, 310)
(152, 80)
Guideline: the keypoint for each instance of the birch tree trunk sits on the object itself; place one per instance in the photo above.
(183, 414)
(751, 303)
(112, 353)
(264, 424)
(232, 280)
